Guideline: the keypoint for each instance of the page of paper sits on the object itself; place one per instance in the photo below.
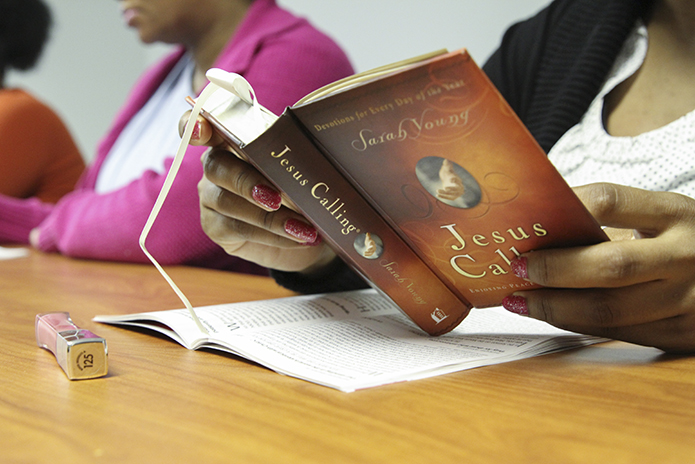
(359, 339)
(241, 318)
(350, 354)
(12, 253)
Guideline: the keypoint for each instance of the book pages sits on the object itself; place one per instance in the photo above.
(354, 340)
(12, 253)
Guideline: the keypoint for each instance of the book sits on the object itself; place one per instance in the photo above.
(353, 340)
(419, 175)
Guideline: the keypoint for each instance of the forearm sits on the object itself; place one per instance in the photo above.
(19, 216)
(89, 225)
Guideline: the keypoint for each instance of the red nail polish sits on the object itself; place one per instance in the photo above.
(196, 131)
(515, 304)
(301, 230)
(314, 243)
(267, 197)
(520, 267)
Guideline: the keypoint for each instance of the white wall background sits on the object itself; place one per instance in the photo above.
(92, 59)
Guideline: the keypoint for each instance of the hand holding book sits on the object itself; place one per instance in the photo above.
(242, 213)
(638, 291)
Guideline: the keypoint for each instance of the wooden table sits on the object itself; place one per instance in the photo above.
(160, 403)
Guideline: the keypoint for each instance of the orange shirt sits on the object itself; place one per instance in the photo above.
(38, 157)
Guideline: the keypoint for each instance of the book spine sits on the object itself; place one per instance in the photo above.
(352, 228)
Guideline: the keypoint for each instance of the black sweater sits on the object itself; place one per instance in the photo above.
(549, 68)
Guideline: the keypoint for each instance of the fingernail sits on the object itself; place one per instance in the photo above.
(196, 131)
(515, 304)
(267, 197)
(301, 230)
(314, 243)
(519, 267)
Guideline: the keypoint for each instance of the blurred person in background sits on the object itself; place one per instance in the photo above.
(281, 55)
(38, 156)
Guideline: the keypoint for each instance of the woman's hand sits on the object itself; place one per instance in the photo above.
(641, 291)
(245, 215)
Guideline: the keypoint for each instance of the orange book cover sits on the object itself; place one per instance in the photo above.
(345, 221)
(444, 159)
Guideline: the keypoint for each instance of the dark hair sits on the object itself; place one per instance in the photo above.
(24, 26)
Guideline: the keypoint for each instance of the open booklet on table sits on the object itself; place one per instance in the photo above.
(11, 253)
(353, 340)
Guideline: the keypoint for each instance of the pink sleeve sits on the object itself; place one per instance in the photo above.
(286, 69)
(88, 225)
(19, 217)
(107, 226)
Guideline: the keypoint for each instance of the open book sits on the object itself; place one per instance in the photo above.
(419, 176)
(353, 340)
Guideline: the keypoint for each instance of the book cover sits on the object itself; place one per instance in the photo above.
(444, 159)
(344, 220)
(420, 177)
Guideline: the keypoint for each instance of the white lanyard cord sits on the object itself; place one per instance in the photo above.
(168, 181)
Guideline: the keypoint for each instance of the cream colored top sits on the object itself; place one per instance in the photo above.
(658, 160)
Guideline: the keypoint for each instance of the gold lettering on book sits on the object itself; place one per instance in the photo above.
(410, 128)
(454, 263)
(334, 207)
(453, 85)
(404, 101)
(392, 268)
(334, 123)
(488, 289)
(506, 286)
(432, 91)
(289, 167)
(459, 262)
(381, 109)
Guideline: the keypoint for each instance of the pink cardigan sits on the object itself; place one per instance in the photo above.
(282, 56)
